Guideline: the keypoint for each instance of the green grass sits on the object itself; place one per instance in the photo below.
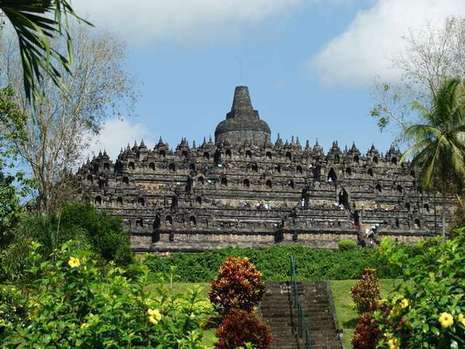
(182, 287)
(345, 311)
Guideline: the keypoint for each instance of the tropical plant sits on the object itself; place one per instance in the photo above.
(365, 293)
(438, 143)
(428, 308)
(366, 333)
(239, 285)
(242, 329)
(74, 303)
(76, 221)
(35, 23)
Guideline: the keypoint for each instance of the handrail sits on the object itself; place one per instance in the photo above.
(301, 327)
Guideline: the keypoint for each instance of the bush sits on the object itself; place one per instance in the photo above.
(79, 222)
(365, 293)
(238, 286)
(428, 310)
(345, 245)
(367, 333)
(273, 262)
(74, 303)
(240, 328)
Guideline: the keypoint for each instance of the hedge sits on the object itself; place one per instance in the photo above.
(312, 264)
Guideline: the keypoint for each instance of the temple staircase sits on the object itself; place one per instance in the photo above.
(301, 315)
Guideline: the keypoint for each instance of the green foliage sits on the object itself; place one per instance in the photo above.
(365, 293)
(346, 313)
(243, 329)
(428, 311)
(80, 222)
(35, 23)
(13, 186)
(345, 245)
(74, 303)
(239, 285)
(14, 261)
(105, 232)
(9, 208)
(273, 262)
(438, 148)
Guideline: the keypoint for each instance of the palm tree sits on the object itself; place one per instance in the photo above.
(34, 25)
(438, 144)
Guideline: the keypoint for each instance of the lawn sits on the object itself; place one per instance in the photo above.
(345, 312)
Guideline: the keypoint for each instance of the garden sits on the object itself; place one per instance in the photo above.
(64, 288)
(68, 276)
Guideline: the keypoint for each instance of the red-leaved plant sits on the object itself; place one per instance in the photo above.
(239, 328)
(239, 285)
(367, 333)
(365, 293)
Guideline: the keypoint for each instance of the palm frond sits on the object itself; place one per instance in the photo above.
(438, 145)
(36, 22)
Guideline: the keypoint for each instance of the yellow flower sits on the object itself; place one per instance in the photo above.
(154, 316)
(74, 262)
(404, 303)
(446, 320)
(395, 311)
(84, 325)
(393, 343)
(461, 319)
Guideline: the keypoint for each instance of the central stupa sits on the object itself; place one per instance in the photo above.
(242, 124)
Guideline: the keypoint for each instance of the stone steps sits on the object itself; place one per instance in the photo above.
(277, 311)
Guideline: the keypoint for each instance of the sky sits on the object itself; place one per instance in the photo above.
(310, 65)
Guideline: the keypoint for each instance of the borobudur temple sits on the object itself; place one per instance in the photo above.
(243, 190)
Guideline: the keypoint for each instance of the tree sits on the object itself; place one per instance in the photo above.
(432, 55)
(438, 143)
(34, 26)
(10, 180)
(60, 122)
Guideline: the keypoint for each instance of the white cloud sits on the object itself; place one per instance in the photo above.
(366, 49)
(118, 133)
(142, 20)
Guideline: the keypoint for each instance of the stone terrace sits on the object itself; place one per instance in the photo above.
(243, 190)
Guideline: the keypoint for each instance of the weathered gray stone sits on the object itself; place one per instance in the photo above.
(244, 191)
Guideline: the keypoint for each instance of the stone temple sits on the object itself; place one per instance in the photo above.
(243, 190)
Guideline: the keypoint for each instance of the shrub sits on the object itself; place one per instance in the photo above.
(105, 232)
(365, 293)
(79, 222)
(367, 333)
(14, 261)
(428, 311)
(239, 328)
(314, 264)
(13, 308)
(345, 245)
(74, 303)
(239, 285)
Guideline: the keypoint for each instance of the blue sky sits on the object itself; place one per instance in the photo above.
(310, 65)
